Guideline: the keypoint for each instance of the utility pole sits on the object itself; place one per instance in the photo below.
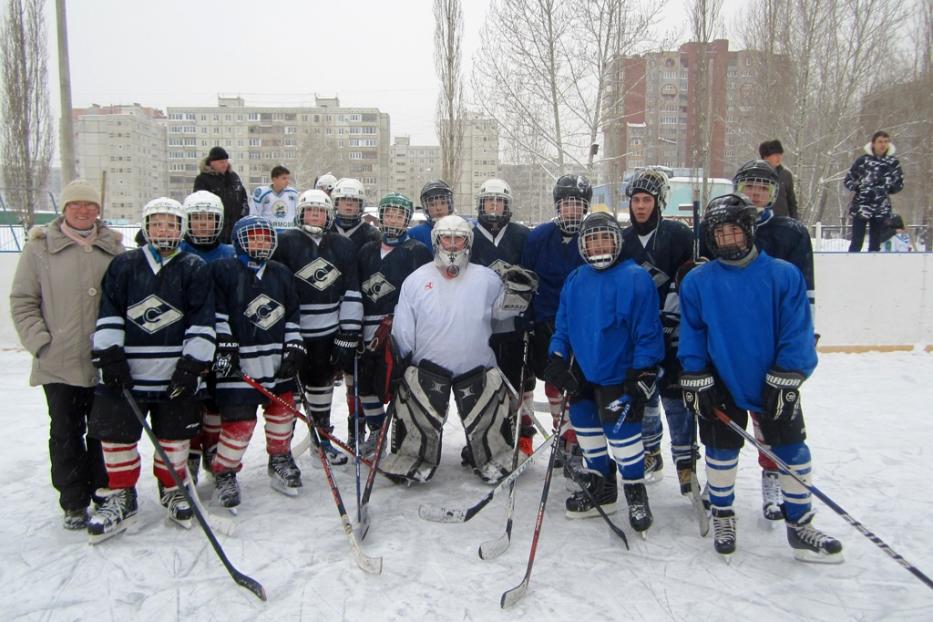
(66, 138)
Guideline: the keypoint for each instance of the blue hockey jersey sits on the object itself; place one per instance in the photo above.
(422, 233)
(608, 319)
(381, 278)
(552, 257)
(208, 253)
(259, 311)
(743, 322)
(157, 310)
(327, 280)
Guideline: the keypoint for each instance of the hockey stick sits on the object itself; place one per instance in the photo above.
(373, 469)
(356, 437)
(494, 548)
(249, 583)
(724, 418)
(372, 565)
(224, 525)
(512, 596)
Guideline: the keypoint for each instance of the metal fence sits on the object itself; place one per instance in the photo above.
(12, 237)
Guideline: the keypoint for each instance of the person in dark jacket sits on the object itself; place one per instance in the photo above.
(785, 204)
(874, 176)
(217, 176)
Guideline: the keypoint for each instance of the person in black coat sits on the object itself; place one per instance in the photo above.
(218, 177)
(785, 204)
(874, 176)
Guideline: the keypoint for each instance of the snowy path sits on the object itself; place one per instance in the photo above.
(870, 422)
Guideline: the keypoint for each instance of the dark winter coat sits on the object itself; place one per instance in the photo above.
(230, 190)
(873, 179)
(786, 202)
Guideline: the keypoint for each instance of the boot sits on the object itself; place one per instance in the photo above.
(604, 490)
(115, 513)
(76, 519)
(639, 512)
(812, 545)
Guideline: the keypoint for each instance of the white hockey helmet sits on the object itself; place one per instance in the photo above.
(317, 200)
(500, 191)
(205, 230)
(168, 236)
(325, 182)
(449, 231)
(348, 190)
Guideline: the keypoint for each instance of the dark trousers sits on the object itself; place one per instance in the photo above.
(875, 225)
(77, 461)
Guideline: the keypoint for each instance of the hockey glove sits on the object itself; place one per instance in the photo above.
(344, 351)
(782, 394)
(700, 395)
(293, 359)
(562, 376)
(184, 381)
(114, 370)
(640, 385)
(519, 288)
(227, 360)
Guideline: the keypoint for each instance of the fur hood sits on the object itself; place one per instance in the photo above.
(868, 151)
(206, 169)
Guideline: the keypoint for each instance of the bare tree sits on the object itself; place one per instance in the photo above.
(318, 153)
(448, 37)
(26, 140)
(704, 24)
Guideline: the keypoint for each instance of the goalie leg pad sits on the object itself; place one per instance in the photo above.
(483, 401)
(420, 412)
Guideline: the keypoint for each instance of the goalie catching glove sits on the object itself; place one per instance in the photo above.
(520, 286)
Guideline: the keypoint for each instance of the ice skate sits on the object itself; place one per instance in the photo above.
(284, 475)
(114, 515)
(227, 490)
(179, 510)
(603, 489)
(724, 532)
(812, 545)
(654, 466)
(75, 519)
(639, 512)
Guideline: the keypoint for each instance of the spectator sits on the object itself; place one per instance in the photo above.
(217, 176)
(874, 176)
(896, 238)
(772, 152)
(54, 303)
(276, 201)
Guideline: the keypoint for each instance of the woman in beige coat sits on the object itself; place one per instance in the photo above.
(54, 302)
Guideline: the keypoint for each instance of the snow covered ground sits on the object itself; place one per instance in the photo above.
(870, 423)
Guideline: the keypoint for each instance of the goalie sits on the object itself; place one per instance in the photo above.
(442, 326)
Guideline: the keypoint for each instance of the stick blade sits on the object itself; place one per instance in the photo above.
(251, 584)
(494, 548)
(514, 595)
(442, 514)
(370, 565)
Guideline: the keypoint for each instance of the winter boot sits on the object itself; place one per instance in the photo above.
(812, 545)
(179, 510)
(771, 496)
(654, 465)
(639, 512)
(284, 474)
(76, 519)
(113, 516)
(724, 531)
(227, 489)
(604, 490)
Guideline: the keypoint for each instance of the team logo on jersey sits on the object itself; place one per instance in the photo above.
(152, 314)
(319, 274)
(280, 209)
(499, 267)
(264, 312)
(377, 286)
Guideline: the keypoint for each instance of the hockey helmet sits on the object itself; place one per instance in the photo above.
(430, 194)
(495, 191)
(571, 193)
(397, 201)
(347, 197)
(730, 209)
(758, 181)
(452, 239)
(314, 200)
(600, 240)
(204, 217)
(255, 237)
(325, 182)
(164, 234)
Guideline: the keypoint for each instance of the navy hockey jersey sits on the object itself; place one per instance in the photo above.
(361, 234)
(381, 278)
(499, 252)
(745, 321)
(208, 253)
(552, 257)
(609, 320)
(327, 281)
(259, 311)
(668, 248)
(157, 310)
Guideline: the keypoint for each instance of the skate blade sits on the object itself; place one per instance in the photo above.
(282, 488)
(654, 477)
(768, 524)
(98, 538)
(608, 508)
(726, 557)
(181, 522)
(643, 534)
(811, 557)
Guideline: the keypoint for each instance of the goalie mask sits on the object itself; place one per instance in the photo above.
(452, 238)
(572, 196)
(729, 226)
(654, 183)
(394, 215)
(204, 217)
(254, 240)
(315, 212)
(758, 181)
(164, 223)
(347, 197)
(494, 204)
(600, 241)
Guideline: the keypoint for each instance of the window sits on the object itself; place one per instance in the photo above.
(356, 155)
(255, 142)
(254, 116)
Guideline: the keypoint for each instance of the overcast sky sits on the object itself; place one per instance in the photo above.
(272, 52)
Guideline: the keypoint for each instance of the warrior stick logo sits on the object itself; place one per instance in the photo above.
(264, 312)
(377, 286)
(319, 274)
(153, 314)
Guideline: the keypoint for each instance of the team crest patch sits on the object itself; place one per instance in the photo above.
(279, 209)
(377, 286)
(264, 312)
(319, 274)
(499, 266)
(152, 314)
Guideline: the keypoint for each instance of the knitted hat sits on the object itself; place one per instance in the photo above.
(79, 190)
(217, 153)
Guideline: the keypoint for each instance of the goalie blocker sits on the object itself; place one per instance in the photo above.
(421, 404)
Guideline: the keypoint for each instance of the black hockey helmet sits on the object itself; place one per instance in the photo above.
(433, 190)
(595, 229)
(652, 182)
(572, 187)
(754, 179)
(730, 209)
